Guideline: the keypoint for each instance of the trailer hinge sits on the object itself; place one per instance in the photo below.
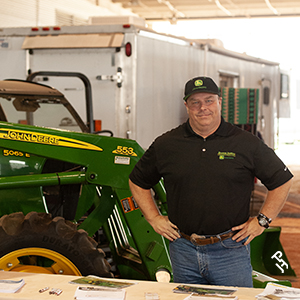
(118, 77)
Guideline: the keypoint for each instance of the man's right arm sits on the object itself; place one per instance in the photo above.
(160, 224)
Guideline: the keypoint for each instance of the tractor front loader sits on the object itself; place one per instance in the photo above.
(59, 187)
(65, 202)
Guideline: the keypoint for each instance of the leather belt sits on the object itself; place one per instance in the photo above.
(203, 240)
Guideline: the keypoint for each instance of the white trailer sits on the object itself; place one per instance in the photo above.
(137, 75)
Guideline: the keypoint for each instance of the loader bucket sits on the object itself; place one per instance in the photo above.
(268, 256)
(261, 280)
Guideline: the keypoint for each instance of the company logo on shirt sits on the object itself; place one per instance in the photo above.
(226, 155)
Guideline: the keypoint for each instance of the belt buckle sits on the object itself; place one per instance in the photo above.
(195, 236)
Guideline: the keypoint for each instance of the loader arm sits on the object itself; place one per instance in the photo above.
(105, 199)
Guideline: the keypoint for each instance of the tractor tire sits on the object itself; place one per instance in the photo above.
(39, 237)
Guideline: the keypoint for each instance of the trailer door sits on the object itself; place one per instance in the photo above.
(94, 55)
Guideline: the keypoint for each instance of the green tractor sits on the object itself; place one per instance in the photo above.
(65, 204)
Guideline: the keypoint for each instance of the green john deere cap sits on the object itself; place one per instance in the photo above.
(200, 85)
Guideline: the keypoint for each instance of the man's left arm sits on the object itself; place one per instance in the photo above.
(272, 206)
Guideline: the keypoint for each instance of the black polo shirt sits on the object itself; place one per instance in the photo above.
(209, 181)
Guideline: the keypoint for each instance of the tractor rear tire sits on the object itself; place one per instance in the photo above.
(41, 231)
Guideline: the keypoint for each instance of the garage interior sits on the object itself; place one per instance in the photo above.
(181, 10)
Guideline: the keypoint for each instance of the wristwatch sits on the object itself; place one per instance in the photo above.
(263, 220)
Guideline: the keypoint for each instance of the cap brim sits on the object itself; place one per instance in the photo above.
(200, 91)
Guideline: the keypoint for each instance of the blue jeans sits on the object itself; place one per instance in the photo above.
(225, 263)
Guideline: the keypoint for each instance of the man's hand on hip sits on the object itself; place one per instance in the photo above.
(250, 229)
(163, 226)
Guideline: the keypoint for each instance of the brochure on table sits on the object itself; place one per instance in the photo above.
(97, 281)
(11, 286)
(276, 292)
(203, 291)
(98, 293)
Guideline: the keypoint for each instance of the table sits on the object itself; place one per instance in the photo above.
(35, 282)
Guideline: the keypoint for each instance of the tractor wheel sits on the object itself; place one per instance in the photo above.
(37, 243)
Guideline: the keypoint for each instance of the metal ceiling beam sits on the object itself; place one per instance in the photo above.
(157, 10)
(226, 17)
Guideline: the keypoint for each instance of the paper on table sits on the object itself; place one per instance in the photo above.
(98, 293)
(278, 291)
(208, 297)
(203, 291)
(11, 286)
(97, 281)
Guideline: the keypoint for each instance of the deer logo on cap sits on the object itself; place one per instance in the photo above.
(198, 82)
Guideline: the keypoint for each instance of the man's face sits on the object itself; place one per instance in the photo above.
(204, 110)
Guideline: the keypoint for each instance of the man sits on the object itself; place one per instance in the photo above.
(208, 167)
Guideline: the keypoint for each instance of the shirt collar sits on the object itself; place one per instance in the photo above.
(221, 131)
